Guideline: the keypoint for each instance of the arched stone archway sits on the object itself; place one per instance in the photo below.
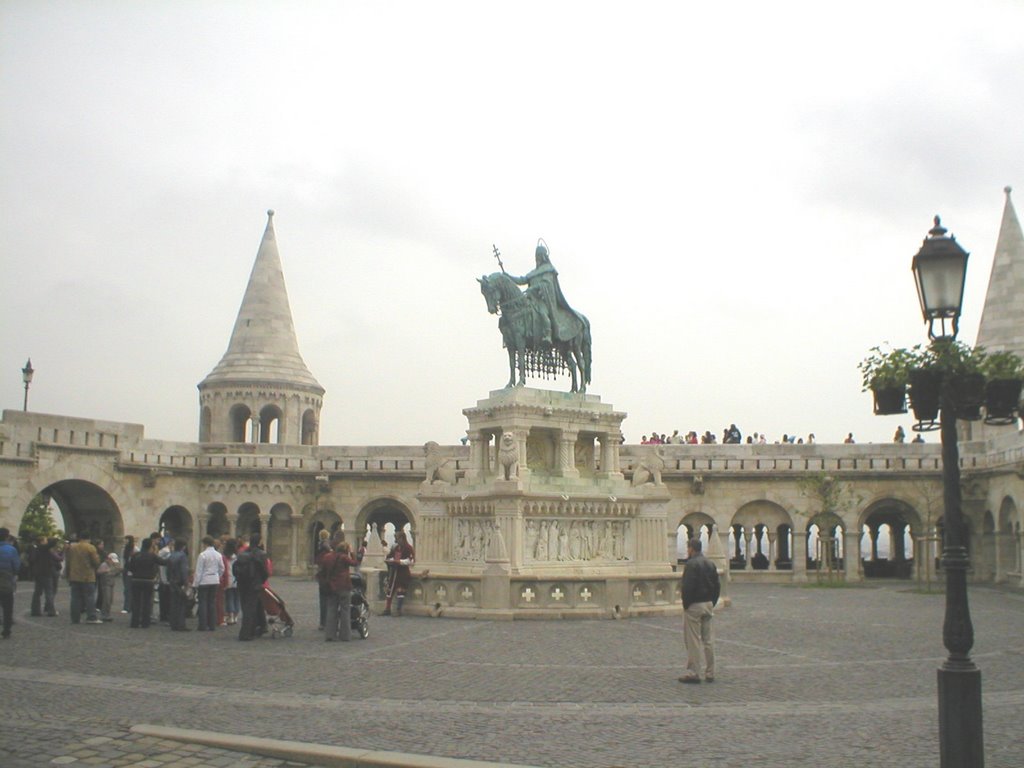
(760, 537)
(248, 521)
(694, 524)
(88, 511)
(176, 522)
(321, 520)
(891, 530)
(217, 523)
(381, 513)
(279, 537)
(1007, 540)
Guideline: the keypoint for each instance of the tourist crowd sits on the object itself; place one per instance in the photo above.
(227, 583)
(731, 435)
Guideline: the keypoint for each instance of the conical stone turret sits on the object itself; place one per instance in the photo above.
(261, 390)
(1002, 319)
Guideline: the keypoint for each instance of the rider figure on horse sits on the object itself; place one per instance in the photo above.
(543, 289)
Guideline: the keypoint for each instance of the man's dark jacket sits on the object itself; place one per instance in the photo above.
(700, 581)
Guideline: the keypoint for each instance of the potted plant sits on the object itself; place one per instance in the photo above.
(885, 373)
(925, 380)
(1005, 374)
(964, 368)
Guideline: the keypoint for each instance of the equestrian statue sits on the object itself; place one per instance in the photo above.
(544, 336)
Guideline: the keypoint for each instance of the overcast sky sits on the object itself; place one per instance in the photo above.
(731, 192)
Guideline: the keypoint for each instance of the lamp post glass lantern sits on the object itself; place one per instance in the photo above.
(940, 271)
(26, 376)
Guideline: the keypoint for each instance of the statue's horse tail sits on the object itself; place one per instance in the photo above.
(586, 349)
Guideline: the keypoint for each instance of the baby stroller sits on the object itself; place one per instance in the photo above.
(360, 611)
(279, 622)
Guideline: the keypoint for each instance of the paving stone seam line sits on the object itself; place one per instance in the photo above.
(295, 701)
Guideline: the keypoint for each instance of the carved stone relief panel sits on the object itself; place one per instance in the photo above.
(577, 541)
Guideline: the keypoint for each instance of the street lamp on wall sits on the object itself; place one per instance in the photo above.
(940, 271)
(26, 376)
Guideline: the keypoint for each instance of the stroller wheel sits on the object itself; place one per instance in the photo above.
(287, 631)
(364, 629)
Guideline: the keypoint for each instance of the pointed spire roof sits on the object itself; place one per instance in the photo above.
(1002, 320)
(263, 345)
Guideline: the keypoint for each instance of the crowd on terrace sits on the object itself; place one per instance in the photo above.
(731, 435)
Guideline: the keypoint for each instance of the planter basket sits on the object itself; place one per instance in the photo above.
(1002, 401)
(925, 386)
(890, 400)
(968, 391)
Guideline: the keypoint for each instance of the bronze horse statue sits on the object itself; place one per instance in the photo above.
(526, 336)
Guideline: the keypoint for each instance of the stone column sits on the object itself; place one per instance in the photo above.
(200, 530)
(748, 535)
(567, 453)
(771, 550)
(522, 436)
(233, 524)
(297, 568)
(264, 522)
(799, 555)
(851, 554)
(609, 455)
(873, 533)
(477, 456)
(1018, 552)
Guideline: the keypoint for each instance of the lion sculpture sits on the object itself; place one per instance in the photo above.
(508, 455)
(440, 468)
(648, 468)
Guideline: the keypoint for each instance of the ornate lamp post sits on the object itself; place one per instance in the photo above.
(26, 376)
(940, 270)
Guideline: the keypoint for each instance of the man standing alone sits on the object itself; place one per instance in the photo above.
(700, 594)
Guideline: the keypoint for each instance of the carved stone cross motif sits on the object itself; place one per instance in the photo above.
(528, 595)
(585, 595)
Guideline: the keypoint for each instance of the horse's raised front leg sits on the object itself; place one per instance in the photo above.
(522, 368)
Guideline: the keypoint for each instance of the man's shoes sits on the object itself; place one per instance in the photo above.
(94, 621)
(329, 639)
(109, 618)
(689, 679)
(709, 679)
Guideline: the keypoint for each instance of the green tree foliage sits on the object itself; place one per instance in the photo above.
(37, 521)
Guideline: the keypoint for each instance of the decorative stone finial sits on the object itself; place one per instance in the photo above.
(1007, 190)
(270, 212)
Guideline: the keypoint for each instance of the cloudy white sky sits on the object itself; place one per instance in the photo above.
(732, 193)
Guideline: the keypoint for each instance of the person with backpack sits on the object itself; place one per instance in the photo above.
(250, 570)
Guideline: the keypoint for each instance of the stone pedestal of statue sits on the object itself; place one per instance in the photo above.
(543, 521)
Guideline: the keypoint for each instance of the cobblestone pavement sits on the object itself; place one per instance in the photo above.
(807, 675)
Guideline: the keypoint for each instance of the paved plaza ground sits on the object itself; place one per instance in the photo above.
(807, 676)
